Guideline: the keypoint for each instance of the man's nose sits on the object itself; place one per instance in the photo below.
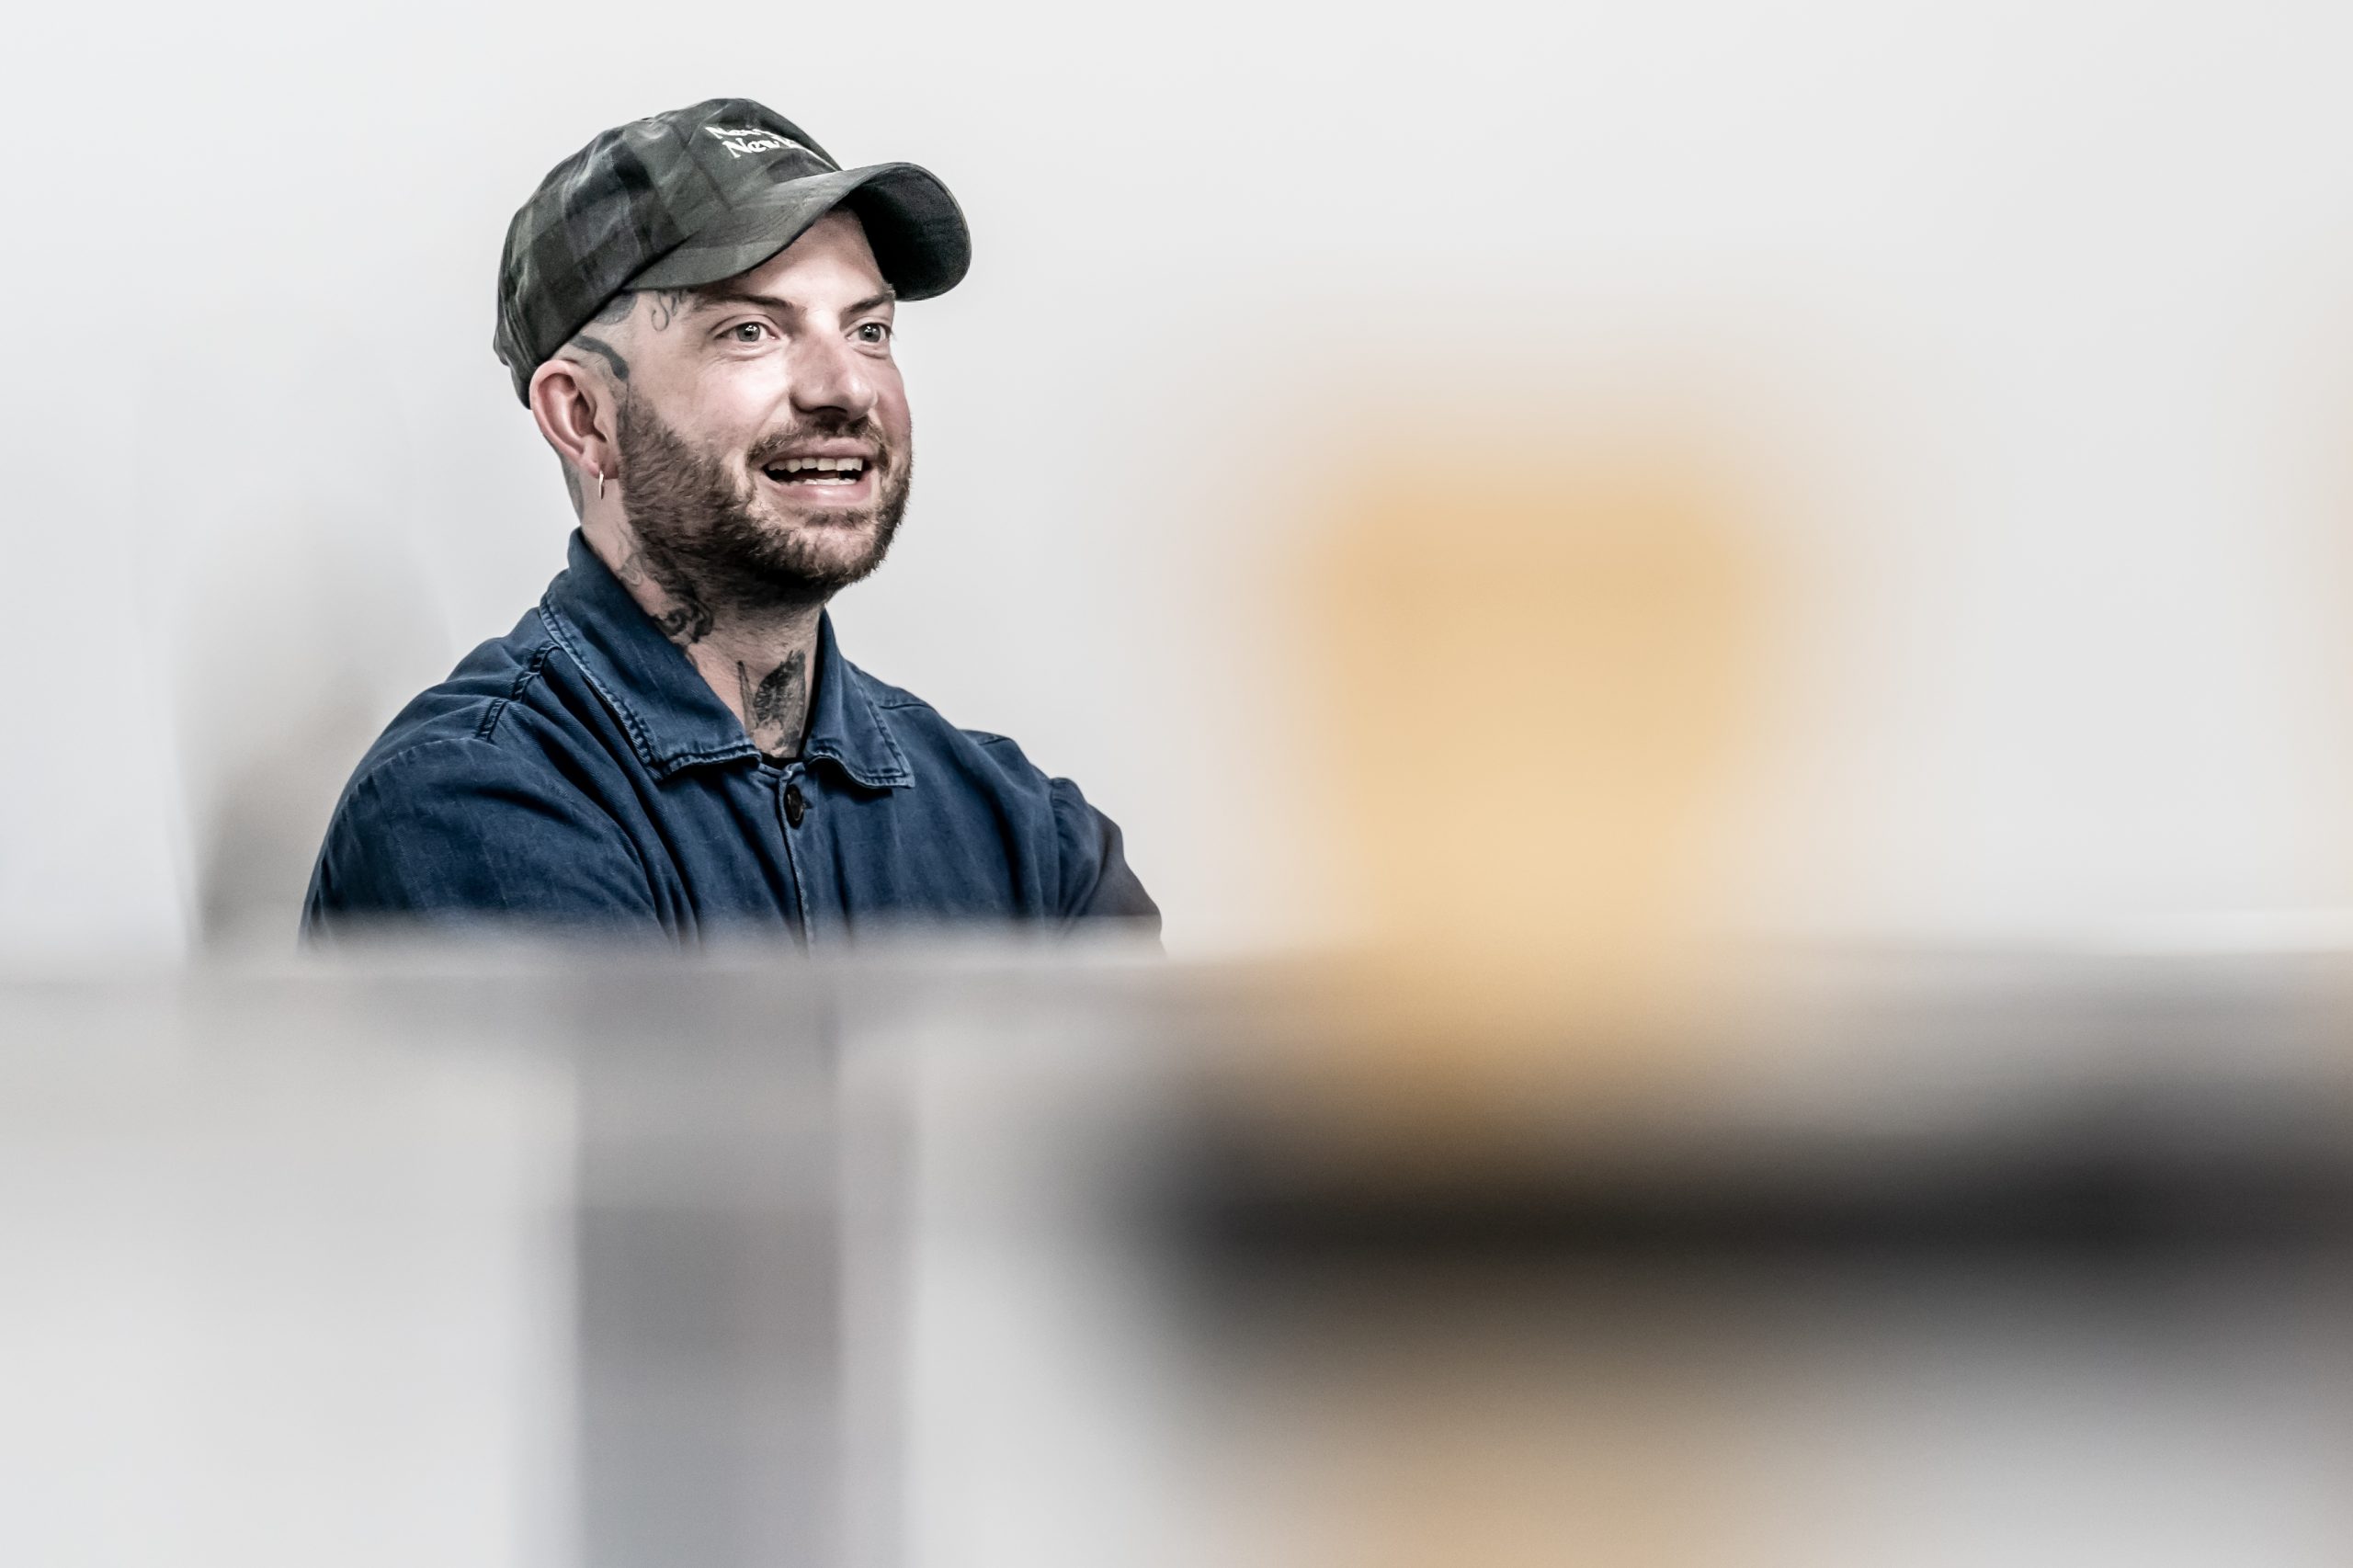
(830, 375)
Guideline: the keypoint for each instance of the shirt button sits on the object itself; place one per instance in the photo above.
(794, 806)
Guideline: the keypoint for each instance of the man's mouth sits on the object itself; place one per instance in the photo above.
(816, 471)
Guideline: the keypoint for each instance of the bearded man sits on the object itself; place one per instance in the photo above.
(698, 310)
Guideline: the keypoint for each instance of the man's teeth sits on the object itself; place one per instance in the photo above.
(823, 470)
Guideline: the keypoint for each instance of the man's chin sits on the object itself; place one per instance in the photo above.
(833, 547)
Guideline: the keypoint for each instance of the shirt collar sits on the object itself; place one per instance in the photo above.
(845, 727)
(672, 717)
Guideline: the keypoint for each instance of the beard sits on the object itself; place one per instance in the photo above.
(714, 540)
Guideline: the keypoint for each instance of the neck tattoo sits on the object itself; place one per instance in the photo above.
(776, 706)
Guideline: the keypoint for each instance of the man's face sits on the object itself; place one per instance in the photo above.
(764, 441)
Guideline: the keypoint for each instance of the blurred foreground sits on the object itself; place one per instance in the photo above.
(974, 1255)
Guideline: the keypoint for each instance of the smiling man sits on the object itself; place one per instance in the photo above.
(697, 309)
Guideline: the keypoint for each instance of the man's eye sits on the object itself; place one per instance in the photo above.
(748, 331)
(873, 332)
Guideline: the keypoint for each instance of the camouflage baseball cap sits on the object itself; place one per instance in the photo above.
(693, 196)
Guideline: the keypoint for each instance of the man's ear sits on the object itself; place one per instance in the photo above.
(576, 413)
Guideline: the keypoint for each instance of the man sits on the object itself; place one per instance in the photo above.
(697, 309)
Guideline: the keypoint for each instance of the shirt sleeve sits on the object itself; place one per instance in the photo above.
(1096, 881)
(458, 831)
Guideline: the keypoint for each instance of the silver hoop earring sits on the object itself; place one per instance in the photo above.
(600, 484)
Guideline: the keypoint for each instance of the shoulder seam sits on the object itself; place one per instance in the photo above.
(368, 774)
(497, 710)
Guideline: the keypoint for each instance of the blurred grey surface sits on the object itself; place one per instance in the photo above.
(981, 1256)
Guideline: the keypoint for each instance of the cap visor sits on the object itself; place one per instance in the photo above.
(912, 223)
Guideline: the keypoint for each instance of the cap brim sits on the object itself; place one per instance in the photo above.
(912, 223)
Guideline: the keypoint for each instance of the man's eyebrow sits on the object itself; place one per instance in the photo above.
(715, 298)
(712, 298)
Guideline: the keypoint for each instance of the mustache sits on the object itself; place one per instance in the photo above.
(779, 444)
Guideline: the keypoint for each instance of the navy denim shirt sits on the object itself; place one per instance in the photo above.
(579, 772)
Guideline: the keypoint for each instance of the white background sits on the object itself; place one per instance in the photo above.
(2049, 306)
